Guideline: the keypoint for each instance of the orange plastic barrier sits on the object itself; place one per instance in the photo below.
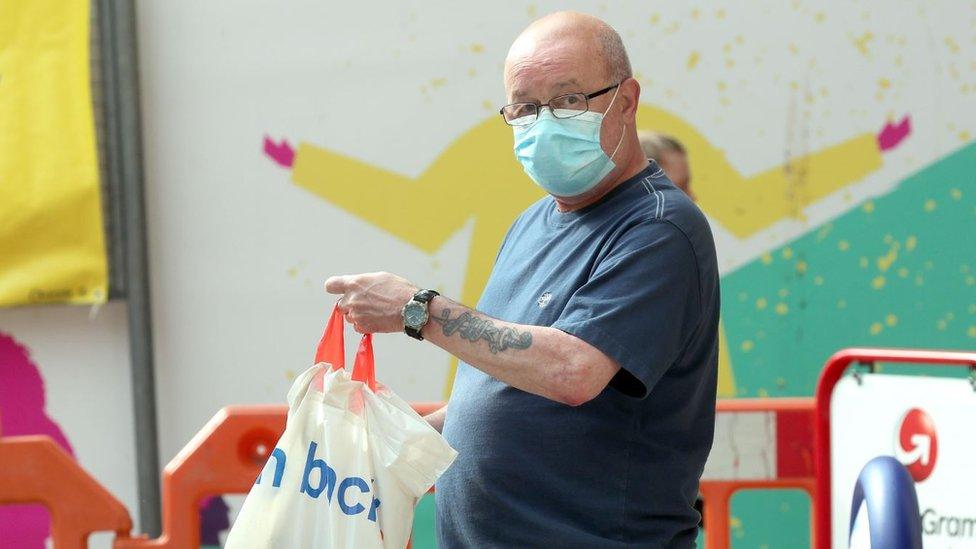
(717, 494)
(225, 457)
(33, 469)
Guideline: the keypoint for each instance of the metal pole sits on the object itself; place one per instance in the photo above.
(119, 55)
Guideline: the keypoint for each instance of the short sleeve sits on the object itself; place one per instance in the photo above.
(640, 304)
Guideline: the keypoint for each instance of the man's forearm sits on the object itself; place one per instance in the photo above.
(436, 418)
(536, 359)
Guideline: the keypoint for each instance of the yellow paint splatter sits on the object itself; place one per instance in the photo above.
(891, 320)
(971, 280)
(747, 345)
(782, 308)
(762, 393)
(843, 245)
(878, 282)
(971, 332)
(919, 280)
(766, 258)
(884, 262)
(472, 72)
(863, 262)
(787, 252)
(841, 303)
(477, 48)
(783, 292)
(761, 303)
(438, 82)
(487, 105)
(941, 324)
(655, 18)
(818, 280)
(861, 43)
(693, 59)
(964, 136)
(952, 44)
(793, 49)
(531, 10)
(290, 374)
(695, 13)
(876, 328)
(903, 272)
(956, 194)
(929, 205)
(781, 382)
(819, 17)
(911, 242)
(972, 309)
(884, 83)
(868, 206)
(292, 272)
(720, 13)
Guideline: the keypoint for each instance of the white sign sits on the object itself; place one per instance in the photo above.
(928, 425)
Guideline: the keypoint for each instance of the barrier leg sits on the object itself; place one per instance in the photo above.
(33, 469)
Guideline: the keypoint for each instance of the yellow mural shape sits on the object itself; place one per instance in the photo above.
(51, 242)
(477, 178)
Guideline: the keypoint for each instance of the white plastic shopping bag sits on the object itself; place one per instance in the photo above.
(350, 466)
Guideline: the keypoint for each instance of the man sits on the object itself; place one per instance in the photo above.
(584, 406)
(670, 154)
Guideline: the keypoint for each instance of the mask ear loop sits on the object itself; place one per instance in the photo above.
(620, 142)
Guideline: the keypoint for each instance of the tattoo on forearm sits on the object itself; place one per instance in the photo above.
(474, 328)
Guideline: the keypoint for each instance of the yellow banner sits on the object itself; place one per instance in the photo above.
(52, 245)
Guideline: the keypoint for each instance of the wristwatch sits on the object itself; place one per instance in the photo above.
(415, 313)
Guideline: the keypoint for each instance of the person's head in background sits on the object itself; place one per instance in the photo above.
(670, 154)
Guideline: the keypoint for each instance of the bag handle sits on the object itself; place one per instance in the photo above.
(332, 349)
(332, 346)
(364, 368)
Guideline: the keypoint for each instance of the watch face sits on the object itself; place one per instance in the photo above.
(414, 315)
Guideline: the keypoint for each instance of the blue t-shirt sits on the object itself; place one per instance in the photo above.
(635, 276)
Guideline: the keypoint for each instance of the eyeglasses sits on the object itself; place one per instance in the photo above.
(563, 106)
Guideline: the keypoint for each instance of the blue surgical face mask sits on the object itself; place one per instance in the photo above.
(563, 155)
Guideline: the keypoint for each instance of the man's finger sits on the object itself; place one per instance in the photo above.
(337, 284)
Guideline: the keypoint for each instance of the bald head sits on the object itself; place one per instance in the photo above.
(572, 38)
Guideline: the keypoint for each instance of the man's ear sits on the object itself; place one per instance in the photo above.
(630, 90)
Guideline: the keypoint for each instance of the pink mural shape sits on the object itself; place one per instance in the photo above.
(893, 134)
(282, 152)
(22, 413)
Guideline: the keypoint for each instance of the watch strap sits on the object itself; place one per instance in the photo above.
(424, 296)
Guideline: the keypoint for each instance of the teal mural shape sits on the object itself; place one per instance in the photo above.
(896, 271)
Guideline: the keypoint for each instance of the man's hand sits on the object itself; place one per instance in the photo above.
(372, 302)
